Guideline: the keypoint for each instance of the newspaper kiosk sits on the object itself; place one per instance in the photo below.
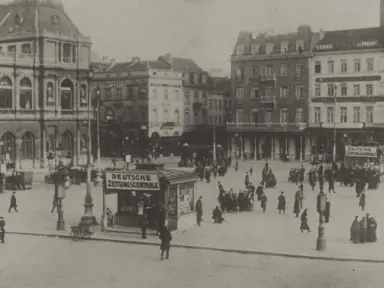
(152, 189)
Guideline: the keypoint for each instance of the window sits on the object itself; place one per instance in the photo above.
(343, 65)
(331, 90)
(283, 116)
(299, 115)
(11, 49)
(300, 71)
(240, 74)
(25, 94)
(299, 46)
(356, 90)
(370, 64)
(210, 103)
(268, 70)
(317, 90)
(317, 115)
(197, 78)
(28, 146)
(165, 94)
(255, 71)
(356, 114)
(220, 104)
(284, 92)
(165, 115)
(254, 117)
(356, 65)
(330, 115)
(154, 95)
(254, 93)
(240, 50)
(240, 93)
(5, 93)
(344, 89)
(269, 92)
(119, 95)
(196, 96)
(300, 93)
(268, 48)
(215, 103)
(268, 116)
(317, 67)
(284, 47)
(331, 66)
(176, 116)
(255, 49)
(50, 94)
(343, 114)
(192, 78)
(240, 116)
(66, 95)
(107, 93)
(204, 79)
(369, 89)
(369, 114)
(284, 70)
(26, 48)
(67, 51)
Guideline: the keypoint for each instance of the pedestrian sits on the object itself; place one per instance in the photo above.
(166, 238)
(2, 230)
(282, 203)
(372, 227)
(318, 202)
(143, 225)
(250, 170)
(362, 201)
(237, 165)
(301, 189)
(296, 205)
(304, 221)
(260, 191)
(199, 210)
(327, 212)
(246, 180)
(264, 201)
(55, 202)
(13, 203)
(355, 231)
(363, 230)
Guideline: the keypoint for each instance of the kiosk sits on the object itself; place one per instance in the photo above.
(163, 194)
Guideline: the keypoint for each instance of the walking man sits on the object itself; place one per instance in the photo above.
(13, 203)
(166, 238)
(55, 202)
(2, 230)
(199, 210)
(282, 203)
(304, 221)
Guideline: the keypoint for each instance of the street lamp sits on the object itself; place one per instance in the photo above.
(62, 184)
(321, 242)
(88, 219)
(98, 174)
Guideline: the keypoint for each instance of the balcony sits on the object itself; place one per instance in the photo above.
(267, 77)
(273, 127)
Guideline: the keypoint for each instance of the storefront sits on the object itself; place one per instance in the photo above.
(160, 193)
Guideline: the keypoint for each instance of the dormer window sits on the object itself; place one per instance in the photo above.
(196, 75)
(255, 49)
(204, 79)
(284, 47)
(55, 19)
(299, 46)
(240, 50)
(268, 48)
(26, 48)
(18, 20)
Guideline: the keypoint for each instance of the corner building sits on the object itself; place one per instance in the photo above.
(347, 88)
(44, 68)
(269, 95)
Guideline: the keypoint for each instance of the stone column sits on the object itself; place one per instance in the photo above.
(77, 145)
(276, 151)
(16, 93)
(43, 148)
(247, 146)
(255, 150)
(292, 148)
(18, 154)
(301, 148)
(308, 148)
(273, 147)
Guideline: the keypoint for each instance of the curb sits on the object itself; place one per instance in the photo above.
(184, 246)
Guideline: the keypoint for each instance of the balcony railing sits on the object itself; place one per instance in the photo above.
(267, 77)
(266, 98)
(268, 126)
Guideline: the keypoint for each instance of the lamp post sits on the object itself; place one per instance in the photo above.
(88, 219)
(334, 123)
(321, 242)
(62, 184)
(98, 175)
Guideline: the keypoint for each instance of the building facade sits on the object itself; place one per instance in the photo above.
(347, 88)
(206, 101)
(270, 95)
(44, 76)
(141, 101)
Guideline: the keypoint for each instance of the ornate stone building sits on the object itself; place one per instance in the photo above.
(44, 76)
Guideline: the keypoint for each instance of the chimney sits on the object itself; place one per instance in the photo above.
(381, 13)
(135, 59)
(322, 33)
(168, 58)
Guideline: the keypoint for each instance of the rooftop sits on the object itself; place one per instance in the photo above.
(137, 65)
(180, 64)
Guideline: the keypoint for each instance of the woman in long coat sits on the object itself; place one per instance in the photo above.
(304, 221)
(355, 230)
(362, 201)
(296, 206)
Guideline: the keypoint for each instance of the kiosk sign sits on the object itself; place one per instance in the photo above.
(361, 151)
(132, 181)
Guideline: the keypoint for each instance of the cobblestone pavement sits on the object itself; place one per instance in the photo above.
(255, 230)
(36, 262)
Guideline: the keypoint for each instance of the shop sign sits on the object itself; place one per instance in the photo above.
(360, 151)
(132, 181)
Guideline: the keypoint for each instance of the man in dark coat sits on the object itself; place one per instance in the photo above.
(282, 203)
(355, 230)
(143, 225)
(372, 227)
(264, 201)
(199, 210)
(260, 191)
(331, 183)
(327, 212)
(246, 180)
(362, 201)
(302, 172)
(13, 203)
(165, 245)
(296, 205)
(363, 230)
(304, 221)
(2, 230)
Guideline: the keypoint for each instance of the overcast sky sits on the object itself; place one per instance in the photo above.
(204, 30)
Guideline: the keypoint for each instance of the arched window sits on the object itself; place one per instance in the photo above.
(8, 148)
(28, 146)
(83, 95)
(25, 94)
(67, 51)
(66, 97)
(50, 94)
(5, 93)
(176, 116)
(66, 145)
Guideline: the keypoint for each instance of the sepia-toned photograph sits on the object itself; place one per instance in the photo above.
(191, 143)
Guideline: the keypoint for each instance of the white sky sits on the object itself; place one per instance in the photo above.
(204, 30)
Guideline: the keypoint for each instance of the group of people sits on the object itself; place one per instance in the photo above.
(363, 231)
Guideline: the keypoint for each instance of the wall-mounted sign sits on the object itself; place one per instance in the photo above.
(360, 151)
(132, 181)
